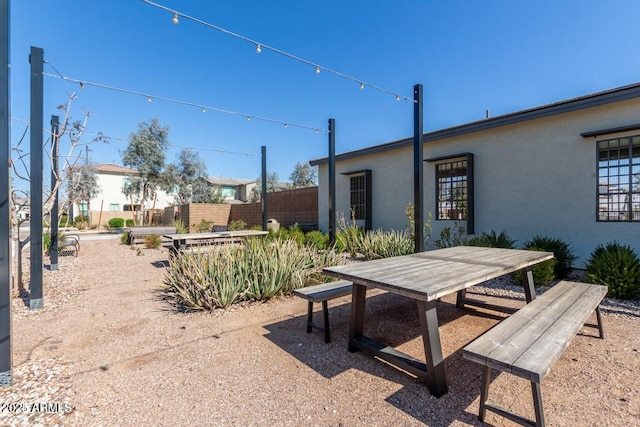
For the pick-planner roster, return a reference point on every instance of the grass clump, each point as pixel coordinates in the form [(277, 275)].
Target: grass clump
[(152, 241), (259, 270)]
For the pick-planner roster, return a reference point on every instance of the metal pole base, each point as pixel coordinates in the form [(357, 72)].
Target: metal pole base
[(35, 304), (5, 379)]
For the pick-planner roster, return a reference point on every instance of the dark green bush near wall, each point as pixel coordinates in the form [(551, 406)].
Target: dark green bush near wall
[(493, 240), (542, 273), (562, 251), (116, 223), (616, 266), (130, 222)]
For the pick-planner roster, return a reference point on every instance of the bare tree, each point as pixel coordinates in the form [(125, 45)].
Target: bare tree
[(74, 130)]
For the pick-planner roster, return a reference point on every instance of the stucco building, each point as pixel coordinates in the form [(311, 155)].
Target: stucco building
[(570, 170)]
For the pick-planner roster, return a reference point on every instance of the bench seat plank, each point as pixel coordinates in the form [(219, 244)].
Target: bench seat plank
[(529, 342), (325, 291)]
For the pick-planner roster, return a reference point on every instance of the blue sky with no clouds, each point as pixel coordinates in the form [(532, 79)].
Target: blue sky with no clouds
[(470, 56)]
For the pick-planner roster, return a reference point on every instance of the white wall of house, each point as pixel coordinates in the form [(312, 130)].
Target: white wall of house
[(533, 177)]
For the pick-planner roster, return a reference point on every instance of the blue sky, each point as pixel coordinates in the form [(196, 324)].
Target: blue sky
[(470, 56)]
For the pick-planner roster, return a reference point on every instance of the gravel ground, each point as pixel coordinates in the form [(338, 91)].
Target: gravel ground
[(108, 350)]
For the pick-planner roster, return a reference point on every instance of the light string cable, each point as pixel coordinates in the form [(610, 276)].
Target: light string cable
[(260, 46), (150, 97)]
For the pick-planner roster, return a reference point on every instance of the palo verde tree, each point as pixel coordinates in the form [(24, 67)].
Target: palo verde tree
[(189, 175), (303, 175), (146, 153)]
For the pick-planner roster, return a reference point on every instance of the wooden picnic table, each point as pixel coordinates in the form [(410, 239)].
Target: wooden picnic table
[(180, 240), (426, 277)]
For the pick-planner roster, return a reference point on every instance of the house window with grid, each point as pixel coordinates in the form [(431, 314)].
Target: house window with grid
[(452, 190), (358, 193), (619, 179)]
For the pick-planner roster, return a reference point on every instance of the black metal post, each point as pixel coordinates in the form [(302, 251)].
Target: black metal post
[(418, 195), (35, 196), (332, 181), (53, 251), (6, 356), (264, 188)]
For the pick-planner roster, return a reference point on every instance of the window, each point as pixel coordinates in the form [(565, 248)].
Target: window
[(360, 196), (619, 179), (357, 204), (451, 178), (84, 208), (114, 207)]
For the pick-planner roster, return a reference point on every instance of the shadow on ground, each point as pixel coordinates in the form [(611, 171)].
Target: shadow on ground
[(393, 320)]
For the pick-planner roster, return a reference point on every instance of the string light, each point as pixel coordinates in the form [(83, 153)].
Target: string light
[(176, 101), (81, 85), (260, 46), (204, 110), (175, 18), (317, 69)]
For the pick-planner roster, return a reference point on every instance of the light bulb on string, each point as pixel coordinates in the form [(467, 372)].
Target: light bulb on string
[(397, 97), (285, 125), (248, 118), (175, 18), (258, 49), (361, 86), (317, 69), (148, 99), (81, 85), (204, 110)]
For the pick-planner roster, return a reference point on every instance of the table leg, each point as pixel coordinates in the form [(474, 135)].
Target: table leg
[(356, 325), (528, 284), (436, 378)]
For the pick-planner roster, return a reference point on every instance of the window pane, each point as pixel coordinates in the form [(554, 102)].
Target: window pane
[(619, 179), (451, 195)]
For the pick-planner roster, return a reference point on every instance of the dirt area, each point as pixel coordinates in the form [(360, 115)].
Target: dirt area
[(108, 350)]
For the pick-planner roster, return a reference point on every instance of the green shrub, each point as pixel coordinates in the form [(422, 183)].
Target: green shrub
[(46, 242), (152, 241), (129, 222), (116, 223), (125, 238), (493, 240), (616, 266), (180, 226), (543, 272), (317, 239), (204, 226), (80, 218), (237, 225), (348, 236), (259, 270), (64, 221), (384, 244), (297, 235), (562, 251), (450, 237)]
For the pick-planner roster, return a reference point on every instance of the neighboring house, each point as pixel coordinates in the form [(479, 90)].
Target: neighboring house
[(111, 198), (23, 208), (233, 190), (569, 170)]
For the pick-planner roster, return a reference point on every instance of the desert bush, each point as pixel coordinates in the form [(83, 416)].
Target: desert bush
[(116, 223), (203, 227), (384, 244), (616, 266), (493, 240), (317, 239), (152, 241), (237, 225), (451, 236), (80, 225), (259, 270), (562, 251), (125, 238), (543, 272), (180, 226), (129, 222), (46, 242), (296, 234), (348, 236)]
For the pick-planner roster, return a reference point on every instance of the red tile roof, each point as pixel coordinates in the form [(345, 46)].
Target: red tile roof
[(115, 169)]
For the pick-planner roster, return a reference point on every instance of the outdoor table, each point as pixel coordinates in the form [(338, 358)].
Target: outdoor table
[(426, 277), (180, 240)]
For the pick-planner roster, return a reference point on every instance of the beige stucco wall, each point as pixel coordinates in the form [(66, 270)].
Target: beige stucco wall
[(536, 177)]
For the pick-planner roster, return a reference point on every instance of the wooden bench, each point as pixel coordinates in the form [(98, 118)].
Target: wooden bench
[(322, 293), (530, 341), (136, 232)]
